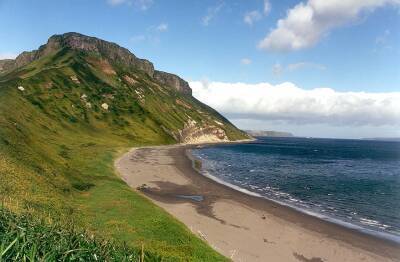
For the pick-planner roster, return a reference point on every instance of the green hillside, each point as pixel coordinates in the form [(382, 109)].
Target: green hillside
[(67, 112)]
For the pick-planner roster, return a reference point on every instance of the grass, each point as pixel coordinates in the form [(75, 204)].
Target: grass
[(56, 161), (198, 164), (25, 238), (99, 201)]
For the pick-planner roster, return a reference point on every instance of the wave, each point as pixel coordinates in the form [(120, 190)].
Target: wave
[(304, 210)]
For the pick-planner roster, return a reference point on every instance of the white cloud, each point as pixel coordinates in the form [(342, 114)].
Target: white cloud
[(252, 16), (290, 104), (212, 12), (7, 56), (267, 7), (306, 23), (140, 4), (163, 27), (245, 61)]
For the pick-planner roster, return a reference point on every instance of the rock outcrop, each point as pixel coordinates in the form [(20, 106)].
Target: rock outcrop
[(114, 53), (194, 133), (173, 81), (6, 64)]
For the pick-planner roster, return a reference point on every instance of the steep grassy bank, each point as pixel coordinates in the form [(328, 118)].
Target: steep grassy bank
[(65, 116), (68, 172)]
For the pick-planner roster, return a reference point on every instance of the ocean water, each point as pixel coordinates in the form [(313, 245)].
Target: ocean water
[(352, 182)]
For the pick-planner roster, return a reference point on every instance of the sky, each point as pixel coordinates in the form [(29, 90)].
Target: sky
[(321, 68)]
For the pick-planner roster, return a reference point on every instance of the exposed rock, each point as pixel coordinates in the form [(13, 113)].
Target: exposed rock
[(104, 65), (48, 85), (104, 106), (109, 96), (173, 81), (112, 52), (5, 64), (140, 95), (75, 79), (180, 102), (76, 41), (129, 80), (218, 123), (193, 133)]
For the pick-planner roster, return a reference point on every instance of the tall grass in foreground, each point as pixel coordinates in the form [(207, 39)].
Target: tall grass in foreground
[(25, 238)]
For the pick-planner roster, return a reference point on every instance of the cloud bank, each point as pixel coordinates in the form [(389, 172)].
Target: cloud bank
[(306, 23), (293, 105)]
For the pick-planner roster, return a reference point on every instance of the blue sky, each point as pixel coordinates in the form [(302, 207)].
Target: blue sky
[(348, 47)]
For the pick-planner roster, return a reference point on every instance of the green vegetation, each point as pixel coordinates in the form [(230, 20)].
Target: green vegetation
[(57, 147), (198, 164), (25, 238)]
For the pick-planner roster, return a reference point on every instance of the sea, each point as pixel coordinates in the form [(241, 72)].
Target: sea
[(355, 183)]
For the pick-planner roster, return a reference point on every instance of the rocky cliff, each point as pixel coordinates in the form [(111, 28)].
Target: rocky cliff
[(111, 51), (174, 81), (6, 64), (93, 82)]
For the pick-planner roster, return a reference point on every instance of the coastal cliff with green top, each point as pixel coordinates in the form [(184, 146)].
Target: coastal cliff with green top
[(67, 110)]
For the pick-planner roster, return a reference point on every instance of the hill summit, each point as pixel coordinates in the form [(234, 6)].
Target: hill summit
[(96, 76), (67, 110), (113, 52)]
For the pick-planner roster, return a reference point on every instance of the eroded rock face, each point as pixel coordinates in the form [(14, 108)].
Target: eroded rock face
[(173, 81), (111, 51), (193, 133), (5, 64)]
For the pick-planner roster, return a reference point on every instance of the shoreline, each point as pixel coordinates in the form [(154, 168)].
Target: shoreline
[(239, 225), (384, 236)]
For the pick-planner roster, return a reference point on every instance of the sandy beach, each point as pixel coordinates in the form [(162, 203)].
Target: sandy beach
[(240, 226)]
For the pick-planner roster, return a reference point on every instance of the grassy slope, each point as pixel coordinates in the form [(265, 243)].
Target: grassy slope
[(56, 155), (27, 238)]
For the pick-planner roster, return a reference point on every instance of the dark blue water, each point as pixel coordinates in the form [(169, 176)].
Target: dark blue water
[(353, 182)]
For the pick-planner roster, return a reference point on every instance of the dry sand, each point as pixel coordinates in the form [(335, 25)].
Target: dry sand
[(242, 227)]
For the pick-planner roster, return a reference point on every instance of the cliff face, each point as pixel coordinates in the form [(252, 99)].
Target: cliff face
[(5, 64), (97, 83), (111, 51), (173, 81)]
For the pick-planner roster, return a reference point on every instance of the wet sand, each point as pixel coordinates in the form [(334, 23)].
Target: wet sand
[(240, 226)]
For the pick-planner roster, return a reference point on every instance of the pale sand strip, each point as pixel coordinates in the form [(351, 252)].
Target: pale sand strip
[(241, 227)]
